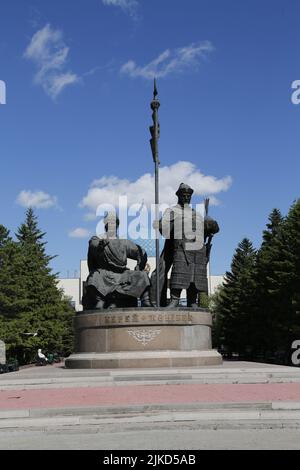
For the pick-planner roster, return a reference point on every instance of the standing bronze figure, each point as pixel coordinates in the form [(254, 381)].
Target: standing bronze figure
[(189, 266)]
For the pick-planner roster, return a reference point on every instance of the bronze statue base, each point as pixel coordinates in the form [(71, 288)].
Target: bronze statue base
[(142, 338)]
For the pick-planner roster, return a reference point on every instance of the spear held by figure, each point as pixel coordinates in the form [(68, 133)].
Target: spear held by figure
[(210, 229), (155, 134)]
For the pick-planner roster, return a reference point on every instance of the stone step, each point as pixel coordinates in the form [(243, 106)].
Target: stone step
[(144, 379), (227, 416)]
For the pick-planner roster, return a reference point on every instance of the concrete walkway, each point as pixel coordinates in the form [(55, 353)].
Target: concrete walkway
[(228, 373), (148, 395), (236, 393)]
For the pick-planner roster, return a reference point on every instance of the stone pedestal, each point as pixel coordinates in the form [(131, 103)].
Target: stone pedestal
[(141, 338)]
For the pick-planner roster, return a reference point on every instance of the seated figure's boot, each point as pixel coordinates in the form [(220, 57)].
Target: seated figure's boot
[(145, 298), (92, 299), (111, 306), (175, 297), (100, 303)]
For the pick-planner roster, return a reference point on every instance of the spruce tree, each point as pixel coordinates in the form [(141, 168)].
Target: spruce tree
[(234, 302), (292, 227), (278, 279), (269, 303), (286, 277), (39, 281), (12, 289), (4, 236), (45, 311)]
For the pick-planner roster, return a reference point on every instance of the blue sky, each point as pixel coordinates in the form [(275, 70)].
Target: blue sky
[(79, 83)]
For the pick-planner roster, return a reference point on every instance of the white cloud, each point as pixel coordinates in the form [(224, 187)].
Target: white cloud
[(89, 216), (129, 6), (49, 53), (108, 189), (170, 61), (79, 232), (36, 199), (59, 82)]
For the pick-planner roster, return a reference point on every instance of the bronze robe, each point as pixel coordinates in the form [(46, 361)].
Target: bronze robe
[(107, 263)]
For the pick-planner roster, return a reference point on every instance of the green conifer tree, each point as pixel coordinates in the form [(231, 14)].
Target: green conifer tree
[(278, 280), (45, 311), (285, 280), (234, 302), (268, 305), (12, 290), (292, 227)]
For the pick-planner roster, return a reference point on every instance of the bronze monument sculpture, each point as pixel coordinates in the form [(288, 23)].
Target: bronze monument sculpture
[(110, 283), (115, 330)]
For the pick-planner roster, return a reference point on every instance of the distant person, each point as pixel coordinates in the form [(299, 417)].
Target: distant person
[(42, 360)]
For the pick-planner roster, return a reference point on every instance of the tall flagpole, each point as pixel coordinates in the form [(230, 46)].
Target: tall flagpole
[(155, 133)]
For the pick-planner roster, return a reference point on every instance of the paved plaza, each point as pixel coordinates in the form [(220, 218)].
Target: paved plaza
[(60, 408)]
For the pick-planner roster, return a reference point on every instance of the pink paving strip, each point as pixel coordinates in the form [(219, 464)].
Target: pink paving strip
[(150, 394)]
